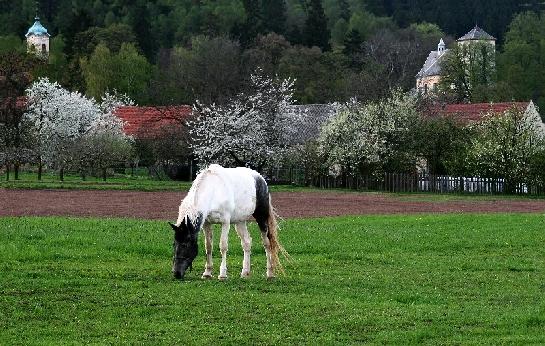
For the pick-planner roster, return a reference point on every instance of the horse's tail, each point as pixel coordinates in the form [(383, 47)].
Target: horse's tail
[(275, 246)]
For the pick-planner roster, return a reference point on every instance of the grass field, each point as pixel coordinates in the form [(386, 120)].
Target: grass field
[(437, 279), (117, 182), (143, 182)]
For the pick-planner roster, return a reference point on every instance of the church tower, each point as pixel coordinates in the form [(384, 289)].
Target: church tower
[(37, 39), (429, 76)]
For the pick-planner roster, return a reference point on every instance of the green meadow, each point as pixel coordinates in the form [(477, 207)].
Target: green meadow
[(141, 182), (432, 279)]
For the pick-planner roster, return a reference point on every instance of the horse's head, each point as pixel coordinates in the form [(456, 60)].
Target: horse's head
[(185, 247)]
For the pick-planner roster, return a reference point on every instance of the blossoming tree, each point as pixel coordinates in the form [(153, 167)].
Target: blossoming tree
[(67, 123), (247, 131), (506, 145), (364, 137)]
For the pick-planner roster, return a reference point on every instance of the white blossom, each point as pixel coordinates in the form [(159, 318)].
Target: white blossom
[(361, 134), (247, 130), (63, 120), (505, 144)]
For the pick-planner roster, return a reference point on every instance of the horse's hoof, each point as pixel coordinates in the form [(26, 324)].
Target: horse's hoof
[(271, 278), (206, 276), (245, 275), (222, 278)]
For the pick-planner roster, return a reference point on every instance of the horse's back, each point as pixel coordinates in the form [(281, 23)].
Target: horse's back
[(232, 191)]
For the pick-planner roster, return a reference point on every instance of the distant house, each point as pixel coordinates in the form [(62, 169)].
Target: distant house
[(304, 121), (474, 112), (151, 122), (429, 76), (161, 130)]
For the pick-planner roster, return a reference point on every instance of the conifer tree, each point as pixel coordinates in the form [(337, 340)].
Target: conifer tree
[(344, 8), (316, 32), (274, 15), (253, 24), (352, 42)]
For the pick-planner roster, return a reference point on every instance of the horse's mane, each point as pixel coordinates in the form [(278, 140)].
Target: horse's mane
[(188, 208)]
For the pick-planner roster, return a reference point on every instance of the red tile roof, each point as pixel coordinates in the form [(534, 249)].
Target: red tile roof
[(145, 122), (474, 112)]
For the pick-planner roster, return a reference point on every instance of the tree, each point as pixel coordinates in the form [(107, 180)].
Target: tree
[(98, 70), (247, 131), (127, 72), (366, 24), (112, 37), (521, 63), (16, 73), (139, 17), (394, 57), (368, 138), (253, 25), (67, 126), (317, 74), (352, 45), (506, 145), (209, 71), (266, 54), (388, 59), (316, 32), (274, 15), (60, 119), (344, 9), (105, 144), (442, 142), (467, 66), (11, 43)]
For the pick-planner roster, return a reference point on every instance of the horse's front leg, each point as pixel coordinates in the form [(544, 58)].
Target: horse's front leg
[(246, 243), (223, 249), (207, 229)]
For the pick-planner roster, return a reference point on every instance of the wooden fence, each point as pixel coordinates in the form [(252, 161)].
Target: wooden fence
[(398, 182)]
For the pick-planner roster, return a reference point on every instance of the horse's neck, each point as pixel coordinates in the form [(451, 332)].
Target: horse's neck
[(196, 203), (189, 210)]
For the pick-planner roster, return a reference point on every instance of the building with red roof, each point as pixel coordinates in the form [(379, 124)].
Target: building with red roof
[(474, 112), (151, 122)]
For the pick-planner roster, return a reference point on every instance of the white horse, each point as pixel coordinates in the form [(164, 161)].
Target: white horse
[(225, 196)]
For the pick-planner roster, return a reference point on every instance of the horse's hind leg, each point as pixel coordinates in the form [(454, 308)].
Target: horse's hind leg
[(223, 249), (267, 245), (246, 243), (207, 228)]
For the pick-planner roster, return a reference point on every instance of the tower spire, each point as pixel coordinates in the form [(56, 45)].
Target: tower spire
[(441, 46)]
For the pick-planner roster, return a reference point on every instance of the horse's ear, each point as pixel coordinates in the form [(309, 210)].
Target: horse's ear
[(174, 227)]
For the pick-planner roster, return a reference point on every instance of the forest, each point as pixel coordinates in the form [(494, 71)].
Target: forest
[(164, 52)]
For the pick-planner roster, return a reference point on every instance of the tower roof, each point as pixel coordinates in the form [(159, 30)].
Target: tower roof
[(477, 34), (37, 29)]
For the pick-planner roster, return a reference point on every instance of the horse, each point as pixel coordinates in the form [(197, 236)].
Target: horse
[(225, 196)]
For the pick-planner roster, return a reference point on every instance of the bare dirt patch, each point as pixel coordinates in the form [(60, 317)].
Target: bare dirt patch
[(164, 205)]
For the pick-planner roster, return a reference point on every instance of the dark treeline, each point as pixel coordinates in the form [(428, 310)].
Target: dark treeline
[(171, 52), (160, 23)]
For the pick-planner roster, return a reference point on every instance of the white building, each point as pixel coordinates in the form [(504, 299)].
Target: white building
[(37, 39), (429, 76)]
